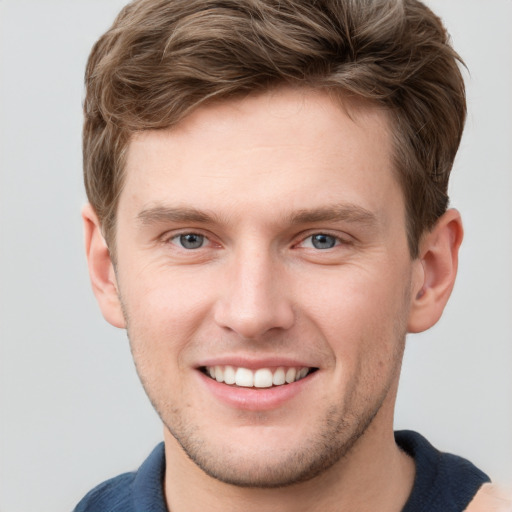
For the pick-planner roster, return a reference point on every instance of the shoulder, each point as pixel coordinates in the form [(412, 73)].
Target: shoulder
[(491, 498), (113, 495), (138, 491), (443, 481)]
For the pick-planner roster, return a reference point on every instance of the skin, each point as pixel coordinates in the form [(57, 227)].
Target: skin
[(256, 179), (491, 498)]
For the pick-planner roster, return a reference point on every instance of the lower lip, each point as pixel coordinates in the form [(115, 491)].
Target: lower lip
[(255, 399)]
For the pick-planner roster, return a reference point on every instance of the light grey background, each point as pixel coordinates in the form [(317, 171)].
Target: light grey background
[(72, 412)]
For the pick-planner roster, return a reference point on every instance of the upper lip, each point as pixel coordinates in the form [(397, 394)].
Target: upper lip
[(255, 363)]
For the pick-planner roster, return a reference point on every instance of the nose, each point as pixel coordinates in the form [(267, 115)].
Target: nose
[(253, 299)]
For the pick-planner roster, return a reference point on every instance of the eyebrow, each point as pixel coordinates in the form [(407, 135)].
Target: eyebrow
[(159, 214), (335, 213)]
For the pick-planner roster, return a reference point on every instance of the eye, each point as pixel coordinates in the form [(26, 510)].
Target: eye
[(320, 241), (189, 241)]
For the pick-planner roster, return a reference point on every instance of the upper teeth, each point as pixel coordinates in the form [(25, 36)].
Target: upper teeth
[(260, 378)]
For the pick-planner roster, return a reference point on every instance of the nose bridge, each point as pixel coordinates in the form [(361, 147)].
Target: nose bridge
[(253, 299)]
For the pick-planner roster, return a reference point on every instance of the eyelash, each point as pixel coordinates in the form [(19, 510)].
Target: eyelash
[(336, 240), (178, 240), (175, 238)]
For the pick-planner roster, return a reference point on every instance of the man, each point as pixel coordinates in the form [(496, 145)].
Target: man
[(268, 218)]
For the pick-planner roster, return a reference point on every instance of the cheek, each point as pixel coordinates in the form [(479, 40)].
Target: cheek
[(165, 297), (356, 298), (163, 313), (362, 316)]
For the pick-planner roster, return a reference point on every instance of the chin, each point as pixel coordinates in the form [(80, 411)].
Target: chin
[(264, 469), (271, 462)]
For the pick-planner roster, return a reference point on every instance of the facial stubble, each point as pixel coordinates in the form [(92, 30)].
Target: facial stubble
[(334, 437), (336, 433)]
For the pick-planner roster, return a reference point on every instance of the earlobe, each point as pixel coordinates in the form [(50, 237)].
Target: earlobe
[(101, 269), (437, 266)]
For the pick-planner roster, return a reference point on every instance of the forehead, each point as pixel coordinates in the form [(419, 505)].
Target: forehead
[(286, 147)]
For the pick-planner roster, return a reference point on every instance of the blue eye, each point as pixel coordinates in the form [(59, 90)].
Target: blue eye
[(320, 241), (190, 240)]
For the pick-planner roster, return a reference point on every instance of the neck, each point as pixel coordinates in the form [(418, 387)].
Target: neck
[(374, 475)]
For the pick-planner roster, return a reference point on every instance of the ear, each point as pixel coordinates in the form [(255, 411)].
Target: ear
[(437, 265), (101, 269)]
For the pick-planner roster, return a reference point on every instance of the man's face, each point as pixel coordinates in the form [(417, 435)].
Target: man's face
[(263, 241)]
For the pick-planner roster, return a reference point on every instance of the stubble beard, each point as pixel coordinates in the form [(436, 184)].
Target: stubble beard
[(334, 438), (333, 441)]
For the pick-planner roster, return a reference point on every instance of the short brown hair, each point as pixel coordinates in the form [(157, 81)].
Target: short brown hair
[(163, 58)]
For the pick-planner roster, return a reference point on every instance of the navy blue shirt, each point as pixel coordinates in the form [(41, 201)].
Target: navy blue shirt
[(443, 482)]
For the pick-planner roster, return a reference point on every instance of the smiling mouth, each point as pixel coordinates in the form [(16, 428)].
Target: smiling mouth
[(259, 378)]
